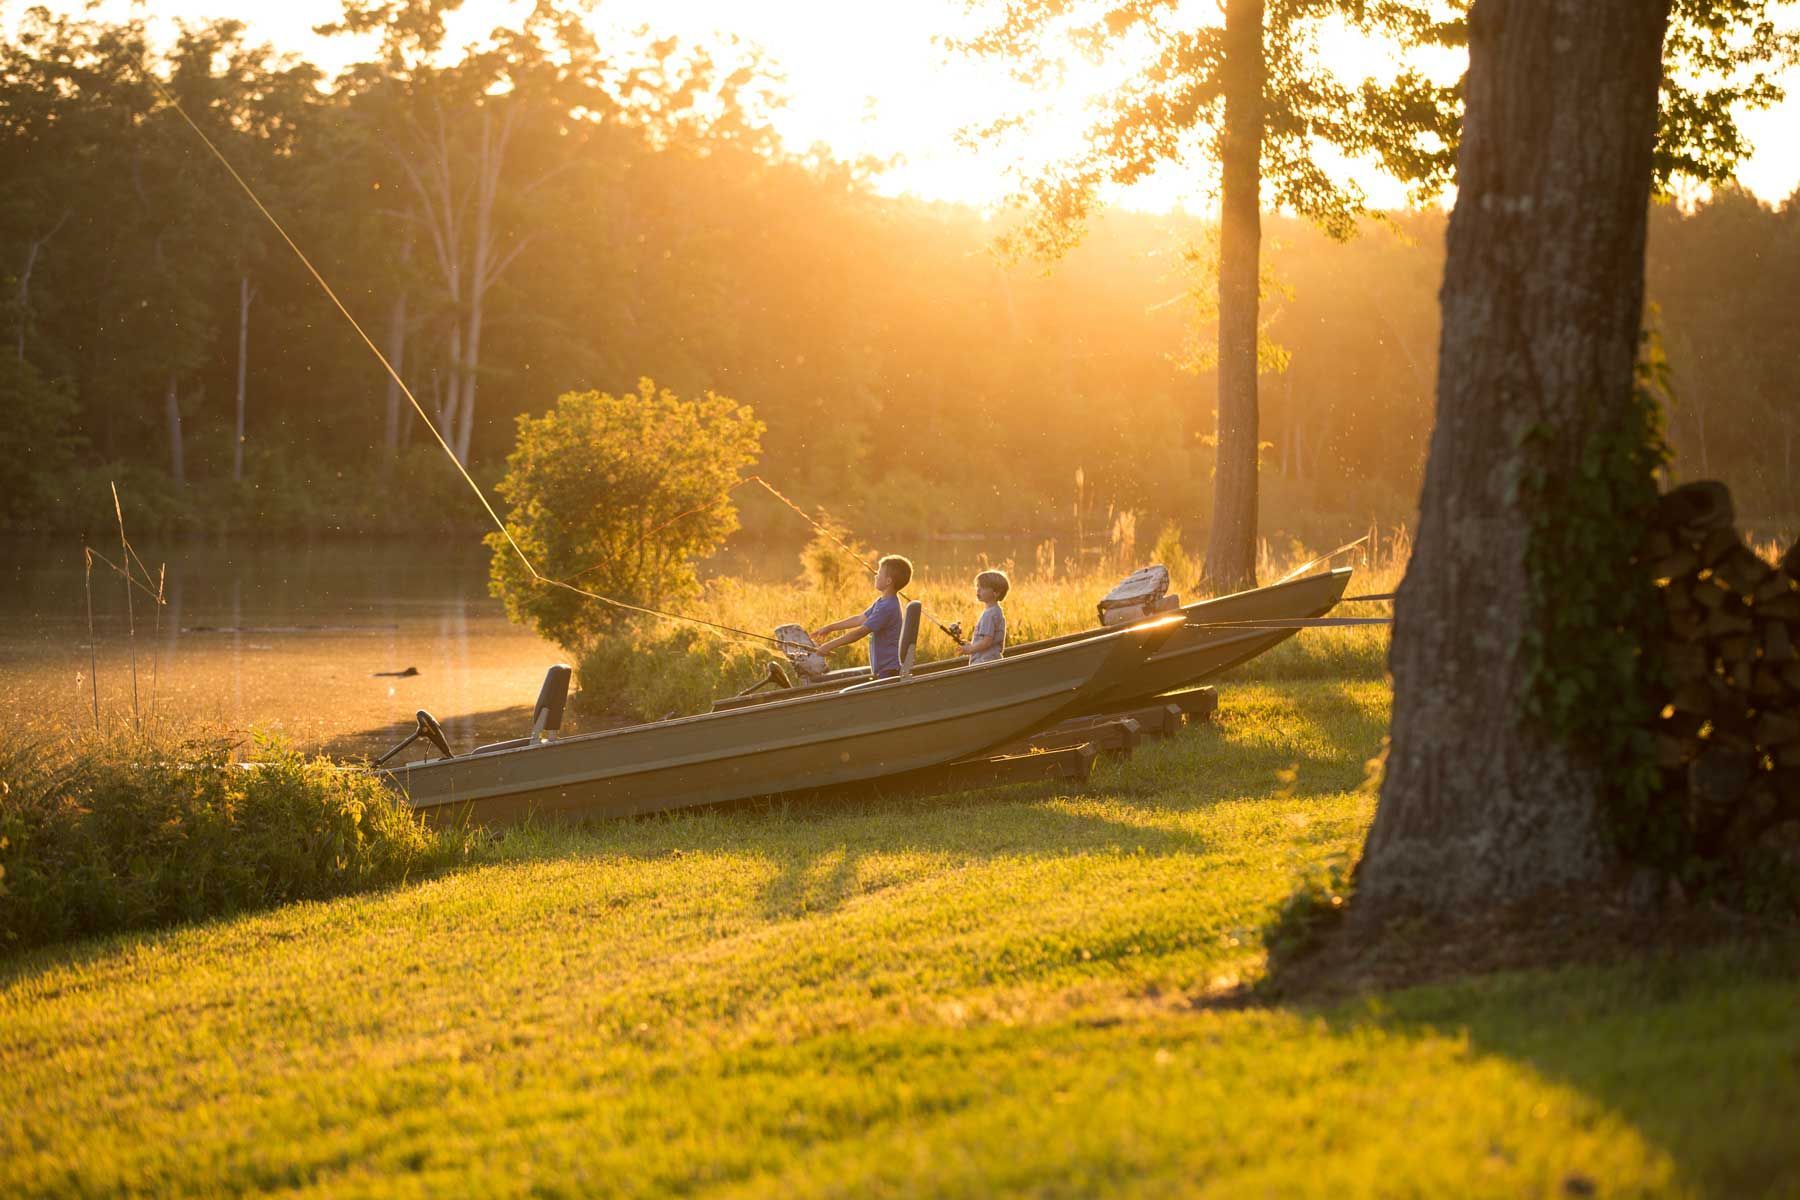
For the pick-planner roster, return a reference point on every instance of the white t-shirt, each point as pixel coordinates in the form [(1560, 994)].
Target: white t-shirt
[(992, 623)]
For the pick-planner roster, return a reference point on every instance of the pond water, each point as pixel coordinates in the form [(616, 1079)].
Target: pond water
[(287, 639), (295, 639)]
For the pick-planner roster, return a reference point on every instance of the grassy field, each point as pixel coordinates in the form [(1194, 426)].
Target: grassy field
[(995, 992)]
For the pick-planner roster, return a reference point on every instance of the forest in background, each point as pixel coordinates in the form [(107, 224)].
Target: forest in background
[(548, 215)]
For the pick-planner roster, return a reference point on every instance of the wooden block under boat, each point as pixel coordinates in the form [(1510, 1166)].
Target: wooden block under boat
[(1119, 735), (1197, 703), (1071, 763), (1169, 713)]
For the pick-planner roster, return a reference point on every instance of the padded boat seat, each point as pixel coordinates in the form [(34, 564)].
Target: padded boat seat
[(547, 716)]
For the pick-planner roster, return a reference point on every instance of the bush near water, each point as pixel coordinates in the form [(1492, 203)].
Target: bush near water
[(125, 831), (620, 496)]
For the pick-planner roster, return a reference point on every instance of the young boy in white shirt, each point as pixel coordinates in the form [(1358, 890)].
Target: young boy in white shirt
[(989, 638)]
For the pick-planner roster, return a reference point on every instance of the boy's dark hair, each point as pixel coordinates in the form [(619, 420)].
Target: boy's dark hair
[(899, 569), (996, 580)]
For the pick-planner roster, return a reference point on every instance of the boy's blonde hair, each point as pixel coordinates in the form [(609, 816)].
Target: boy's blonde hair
[(996, 580), (898, 567)]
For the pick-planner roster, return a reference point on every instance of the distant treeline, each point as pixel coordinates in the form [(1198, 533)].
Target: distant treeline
[(547, 215)]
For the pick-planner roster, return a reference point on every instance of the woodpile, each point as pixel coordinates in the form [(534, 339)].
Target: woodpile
[(1728, 731)]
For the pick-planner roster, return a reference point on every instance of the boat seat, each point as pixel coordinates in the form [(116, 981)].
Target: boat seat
[(547, 716), (909, 636), (909, 646)]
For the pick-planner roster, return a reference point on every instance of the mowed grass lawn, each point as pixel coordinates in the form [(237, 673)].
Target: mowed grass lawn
[(996, 992)]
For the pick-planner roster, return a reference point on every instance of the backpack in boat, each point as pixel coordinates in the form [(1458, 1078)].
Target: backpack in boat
[(1141, 594)]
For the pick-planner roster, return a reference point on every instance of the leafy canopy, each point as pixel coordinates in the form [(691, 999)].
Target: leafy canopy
[(595, 486), (1172, 110), (1722, 57)]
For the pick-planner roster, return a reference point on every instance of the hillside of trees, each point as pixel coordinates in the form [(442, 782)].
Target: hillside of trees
[(546, 215)]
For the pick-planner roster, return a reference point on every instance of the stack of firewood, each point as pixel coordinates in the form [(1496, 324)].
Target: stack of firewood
[(1728, 734)]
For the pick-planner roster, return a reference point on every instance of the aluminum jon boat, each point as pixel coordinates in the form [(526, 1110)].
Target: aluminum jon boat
[(1198, 651), (854, 732)]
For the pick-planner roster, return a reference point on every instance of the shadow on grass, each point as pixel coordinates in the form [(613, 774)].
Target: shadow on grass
[(818, 842), (1696, 1048)]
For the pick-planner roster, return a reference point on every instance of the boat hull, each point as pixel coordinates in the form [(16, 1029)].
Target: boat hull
[(807, 742), (1198, 652)]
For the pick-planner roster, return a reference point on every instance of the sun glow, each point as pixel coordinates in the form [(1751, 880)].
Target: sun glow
[(874, 82)]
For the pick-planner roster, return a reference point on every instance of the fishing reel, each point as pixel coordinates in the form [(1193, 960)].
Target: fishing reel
[(954, 629)]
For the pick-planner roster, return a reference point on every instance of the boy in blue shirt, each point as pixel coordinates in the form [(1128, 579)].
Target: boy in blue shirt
[(880, 622)]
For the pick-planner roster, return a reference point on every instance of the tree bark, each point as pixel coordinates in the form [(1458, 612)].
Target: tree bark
[(172, 417), (1542, 305), (396, 356), (32, 252), (245, 292), (1231, 544)]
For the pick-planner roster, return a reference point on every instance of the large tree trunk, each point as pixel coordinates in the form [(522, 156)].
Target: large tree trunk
[(1231, 546), (1542, 304)]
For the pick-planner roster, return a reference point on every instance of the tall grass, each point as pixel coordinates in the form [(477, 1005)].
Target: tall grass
[(659, 667), (111, 832)]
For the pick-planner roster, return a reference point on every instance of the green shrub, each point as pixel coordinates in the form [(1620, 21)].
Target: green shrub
[(623, 494), (834, 560), (1183, 570), (642, 676), (125, 832)]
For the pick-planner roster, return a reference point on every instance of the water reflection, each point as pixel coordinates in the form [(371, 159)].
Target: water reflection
[(286, 639), (289, 639)]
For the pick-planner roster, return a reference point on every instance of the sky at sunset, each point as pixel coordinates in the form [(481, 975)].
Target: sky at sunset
[(866, 77)]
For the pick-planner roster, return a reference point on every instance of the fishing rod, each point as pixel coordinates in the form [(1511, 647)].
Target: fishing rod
[(524, 559)]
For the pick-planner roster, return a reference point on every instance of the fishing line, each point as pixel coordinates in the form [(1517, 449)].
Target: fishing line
[(1293, 623), (1304, 567), (524, 559), (818, 527)]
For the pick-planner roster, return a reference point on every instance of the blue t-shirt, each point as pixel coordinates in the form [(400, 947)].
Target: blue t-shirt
[(882, 620)]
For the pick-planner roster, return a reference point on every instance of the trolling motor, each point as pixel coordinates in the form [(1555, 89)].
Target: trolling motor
[(429, 729), (777, 676)]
